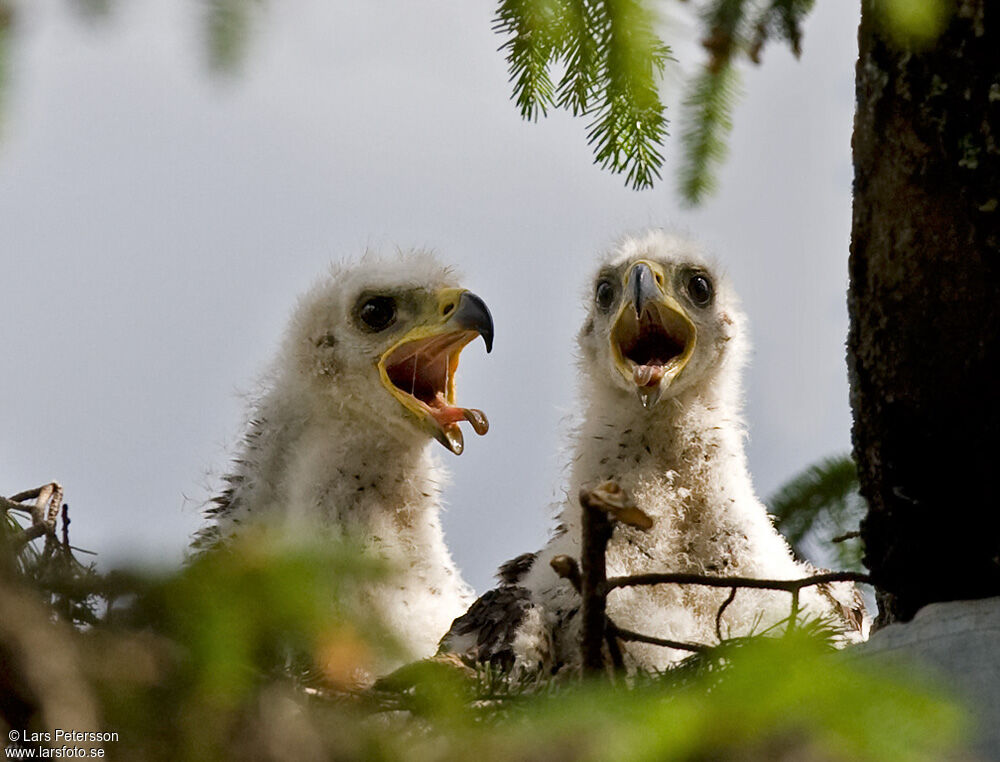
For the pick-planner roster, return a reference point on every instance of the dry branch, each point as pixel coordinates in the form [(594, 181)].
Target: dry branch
[(722, 610), (567, 568), (30, 494), (48, 502), (788, 585), (638, 637), (600, 508), (597, 530)]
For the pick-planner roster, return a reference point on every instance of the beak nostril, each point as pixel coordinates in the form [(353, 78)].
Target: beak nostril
[(448, 309)]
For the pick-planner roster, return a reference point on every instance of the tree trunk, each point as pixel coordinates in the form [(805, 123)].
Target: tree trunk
[(924, 300)]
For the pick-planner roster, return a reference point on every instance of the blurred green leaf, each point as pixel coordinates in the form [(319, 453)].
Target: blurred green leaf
[(246, 609), (913, 24), (248, 652), (776, 698)]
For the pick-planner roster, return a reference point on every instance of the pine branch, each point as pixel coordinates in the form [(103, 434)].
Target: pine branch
[(821, 508), (729, 33), (531, 27), (724, 36), (228, 25), (781, 18), (826, 487), (612, 61), (708, 122), (629, 125), (584, 20), (791, 14)]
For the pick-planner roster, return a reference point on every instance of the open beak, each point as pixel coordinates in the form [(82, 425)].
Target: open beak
[(419, 370), (653, 338)]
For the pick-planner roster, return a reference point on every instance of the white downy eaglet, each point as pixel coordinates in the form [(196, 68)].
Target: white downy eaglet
[(339, 443), (661, 353)]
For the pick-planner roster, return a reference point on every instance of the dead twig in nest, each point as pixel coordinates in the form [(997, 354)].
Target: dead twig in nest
[(638, 637), (567, 568), (48, 502), (846, 536), (597, 530), (788, 585), (600, 508), (722, 610), (613, 500)]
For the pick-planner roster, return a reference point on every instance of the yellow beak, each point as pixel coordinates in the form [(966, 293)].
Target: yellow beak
[(419, 369), (653, 338)]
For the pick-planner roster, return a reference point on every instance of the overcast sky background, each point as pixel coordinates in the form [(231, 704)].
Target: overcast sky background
[(157, 224)]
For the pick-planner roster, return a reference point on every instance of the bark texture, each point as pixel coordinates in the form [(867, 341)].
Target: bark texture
[(924, 300)]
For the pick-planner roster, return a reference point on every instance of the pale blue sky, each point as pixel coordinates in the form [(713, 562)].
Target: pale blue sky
[(156, 225)]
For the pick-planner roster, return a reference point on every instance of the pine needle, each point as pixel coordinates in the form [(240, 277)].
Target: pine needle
[(611, 60), (708, 122), (819, 504)]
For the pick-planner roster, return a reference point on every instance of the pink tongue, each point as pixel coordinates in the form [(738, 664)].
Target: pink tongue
[(447, 415), (647, 375)]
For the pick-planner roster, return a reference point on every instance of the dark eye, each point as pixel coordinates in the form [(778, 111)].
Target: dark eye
[(700, 290), (378, 312), (605, 295)]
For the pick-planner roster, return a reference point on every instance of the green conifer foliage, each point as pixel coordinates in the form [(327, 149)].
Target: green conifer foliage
[(602, 60)]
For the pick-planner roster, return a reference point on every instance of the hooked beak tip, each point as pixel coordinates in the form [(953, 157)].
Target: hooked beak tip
[(650, 395), (472, 314)]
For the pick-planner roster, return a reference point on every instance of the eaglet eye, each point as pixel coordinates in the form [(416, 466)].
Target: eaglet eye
[(699, 288), (378, 312), (605, 295)]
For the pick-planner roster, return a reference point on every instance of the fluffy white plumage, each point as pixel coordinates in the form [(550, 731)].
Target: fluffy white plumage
[(680, 458), (332, 449)]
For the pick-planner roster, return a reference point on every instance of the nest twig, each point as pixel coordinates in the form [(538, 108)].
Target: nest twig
[(44, 512), (600, 508)]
